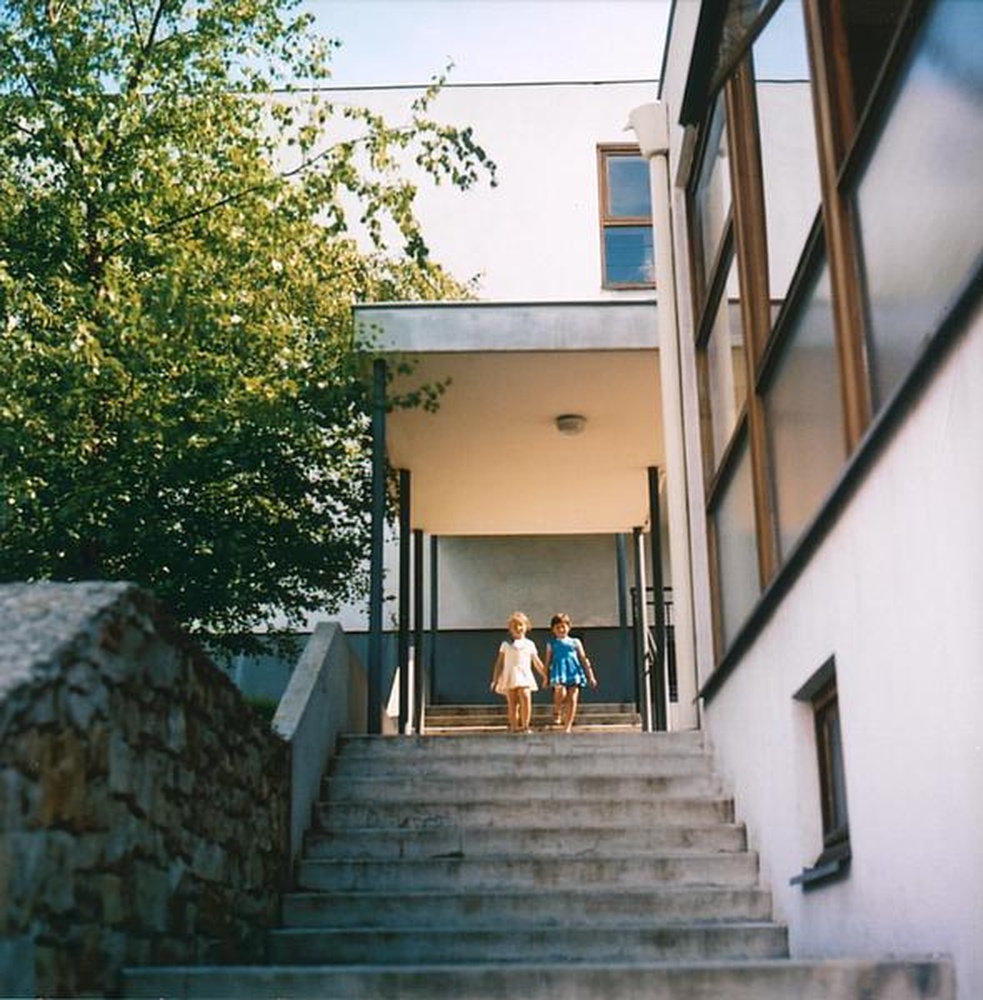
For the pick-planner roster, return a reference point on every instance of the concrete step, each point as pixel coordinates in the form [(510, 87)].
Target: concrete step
[(571, 907), (614, 745), (888, 979), (542, 702), (535, 874), (456, 944), (496, 723), (547, 789), (542, 708), (472, 763), (413, 814), (491, 717), (554, 841)]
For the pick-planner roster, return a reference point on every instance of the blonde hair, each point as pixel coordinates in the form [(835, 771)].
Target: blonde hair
[(522, 619)]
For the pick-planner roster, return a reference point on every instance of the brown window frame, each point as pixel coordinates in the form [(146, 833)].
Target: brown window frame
[(606, 222), (845, 137)]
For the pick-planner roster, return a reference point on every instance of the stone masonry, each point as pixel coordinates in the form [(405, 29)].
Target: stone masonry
[(143, 803)]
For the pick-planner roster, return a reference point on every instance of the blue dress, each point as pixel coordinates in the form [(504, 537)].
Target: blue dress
[(565, 665)]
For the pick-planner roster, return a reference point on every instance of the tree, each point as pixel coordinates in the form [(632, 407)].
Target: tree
[(181, 403)]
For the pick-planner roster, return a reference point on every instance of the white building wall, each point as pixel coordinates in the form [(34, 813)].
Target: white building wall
[(894, 593), (535, 236)]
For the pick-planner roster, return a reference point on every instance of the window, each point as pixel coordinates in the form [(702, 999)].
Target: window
[(711, 200), (833, 206), (834, 861), (733, 542), (627, 254), (924, 168), (803, 418)]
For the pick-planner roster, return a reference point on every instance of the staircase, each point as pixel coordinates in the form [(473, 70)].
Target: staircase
[(603, 863)]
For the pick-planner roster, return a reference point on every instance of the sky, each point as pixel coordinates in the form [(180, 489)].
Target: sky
[(388, 42)]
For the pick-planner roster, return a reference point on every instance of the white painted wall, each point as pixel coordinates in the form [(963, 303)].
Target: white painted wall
[(535, 237), (895, 593)]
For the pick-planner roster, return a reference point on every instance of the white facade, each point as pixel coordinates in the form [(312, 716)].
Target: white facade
[(534, 237), (893, 592)]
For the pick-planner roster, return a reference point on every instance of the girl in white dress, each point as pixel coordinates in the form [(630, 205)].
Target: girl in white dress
[(512, 674)]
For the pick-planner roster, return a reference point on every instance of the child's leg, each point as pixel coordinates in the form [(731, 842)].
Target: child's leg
[(511, 706), (559, 693), (570, 706), (525, 708)]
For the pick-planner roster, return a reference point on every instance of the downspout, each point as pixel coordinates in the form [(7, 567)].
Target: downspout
[(650, 123)]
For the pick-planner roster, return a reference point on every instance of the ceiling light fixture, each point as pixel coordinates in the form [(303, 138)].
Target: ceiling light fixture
[(571, 423)]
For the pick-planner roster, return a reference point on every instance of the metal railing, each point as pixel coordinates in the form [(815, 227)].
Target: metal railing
[(655, 657)]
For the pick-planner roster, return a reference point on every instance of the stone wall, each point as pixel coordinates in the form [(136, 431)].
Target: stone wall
[(143, 804)]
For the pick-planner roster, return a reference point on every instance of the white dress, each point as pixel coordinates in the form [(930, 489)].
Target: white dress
[(517, 666)]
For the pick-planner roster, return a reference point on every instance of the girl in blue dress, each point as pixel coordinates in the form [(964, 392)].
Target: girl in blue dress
[(569, 670)]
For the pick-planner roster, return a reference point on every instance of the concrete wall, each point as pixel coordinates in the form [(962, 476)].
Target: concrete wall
[(327, 695), (894, 593), (143, 803)]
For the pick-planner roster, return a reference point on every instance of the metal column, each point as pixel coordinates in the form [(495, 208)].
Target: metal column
[(624, 613), (660, 688), (403, 656), (418, 668), (434, 622), (641, 633), (376, 570)]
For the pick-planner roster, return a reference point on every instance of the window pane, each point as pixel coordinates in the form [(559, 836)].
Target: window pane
[(726, 375), (869, 29), (629, 195), (837, 777), (737, 552), (920, 198), (628, 255), (804, 416), (712, 196), (789, 160)]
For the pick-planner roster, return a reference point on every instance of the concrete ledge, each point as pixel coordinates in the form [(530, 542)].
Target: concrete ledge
[(326, 696)]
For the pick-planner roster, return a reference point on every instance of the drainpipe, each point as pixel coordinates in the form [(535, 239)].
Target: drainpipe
[(650, 123)]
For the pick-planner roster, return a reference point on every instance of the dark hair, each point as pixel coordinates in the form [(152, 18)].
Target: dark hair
[(560, 617)]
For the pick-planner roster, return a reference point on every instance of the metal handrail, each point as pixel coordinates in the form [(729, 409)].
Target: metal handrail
[(657, 656)]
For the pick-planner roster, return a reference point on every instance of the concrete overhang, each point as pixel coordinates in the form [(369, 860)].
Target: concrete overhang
[(491, 460)]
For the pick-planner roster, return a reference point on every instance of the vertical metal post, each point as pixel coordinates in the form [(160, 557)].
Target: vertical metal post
[(624, 633), (434, 621), (641, 632), (418, 668), (378, 523), (659, 687), (403, 656)]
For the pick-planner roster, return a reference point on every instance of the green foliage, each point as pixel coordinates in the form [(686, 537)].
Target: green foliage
[(182, 404)]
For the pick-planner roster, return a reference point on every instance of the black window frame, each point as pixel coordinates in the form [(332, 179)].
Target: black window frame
[(833, 862)]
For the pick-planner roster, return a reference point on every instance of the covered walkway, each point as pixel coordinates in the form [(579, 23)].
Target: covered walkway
[(550, 425)]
